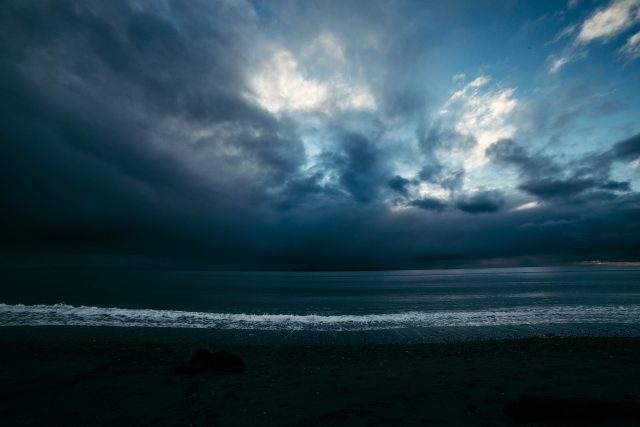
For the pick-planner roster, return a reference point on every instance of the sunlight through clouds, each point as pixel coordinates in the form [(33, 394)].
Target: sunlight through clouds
[(527, 206), (281, 85), (482, 114)]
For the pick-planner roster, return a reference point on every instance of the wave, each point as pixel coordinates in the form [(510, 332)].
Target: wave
[(63, 314)]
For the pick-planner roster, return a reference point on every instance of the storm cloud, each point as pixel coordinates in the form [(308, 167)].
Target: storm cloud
[(548, 179), (288, 135)]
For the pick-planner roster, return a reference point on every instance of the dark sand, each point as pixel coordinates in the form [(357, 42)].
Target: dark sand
[(112, 381)]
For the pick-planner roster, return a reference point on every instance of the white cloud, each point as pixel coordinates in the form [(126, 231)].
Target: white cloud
[(602, 25), (610, 21), (326, 46), (570, 54), (632, 46), (479, 81), (483, 115), (281, 86), (357, 98), (557, 63), (568, 31), (459, 78)]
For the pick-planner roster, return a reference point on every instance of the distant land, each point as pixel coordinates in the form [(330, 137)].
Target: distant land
[(612, 263)]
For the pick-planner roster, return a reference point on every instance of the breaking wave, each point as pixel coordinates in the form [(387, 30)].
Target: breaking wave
[(63, 314)]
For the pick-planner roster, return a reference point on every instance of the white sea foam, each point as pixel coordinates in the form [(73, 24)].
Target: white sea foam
[(63, 314)]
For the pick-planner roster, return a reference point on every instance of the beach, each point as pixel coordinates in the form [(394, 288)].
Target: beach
[(109, 376)]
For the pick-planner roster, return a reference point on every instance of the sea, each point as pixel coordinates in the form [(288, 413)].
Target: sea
[(388, 306)]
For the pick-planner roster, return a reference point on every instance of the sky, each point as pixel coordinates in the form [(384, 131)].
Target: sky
[(251, 134)]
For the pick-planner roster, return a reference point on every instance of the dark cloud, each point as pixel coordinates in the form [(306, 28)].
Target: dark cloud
[(429, 203), (549, 189), (437, 138), (577, 180), (453, 181), (400, 184), (87, 89), (508, 152), (616, 186), (481, 202), (360, 167), (628, 149), (128, 133)]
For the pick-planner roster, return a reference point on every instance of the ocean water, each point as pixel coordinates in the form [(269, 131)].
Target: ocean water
[(582, 300)]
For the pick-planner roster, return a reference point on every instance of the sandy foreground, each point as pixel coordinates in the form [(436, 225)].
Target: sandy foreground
[(77, 380)]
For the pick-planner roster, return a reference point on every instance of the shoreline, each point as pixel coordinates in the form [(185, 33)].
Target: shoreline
[(257, 337), (106, 378)]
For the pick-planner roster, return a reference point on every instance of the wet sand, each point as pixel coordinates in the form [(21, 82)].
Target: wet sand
[(115, 381)]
